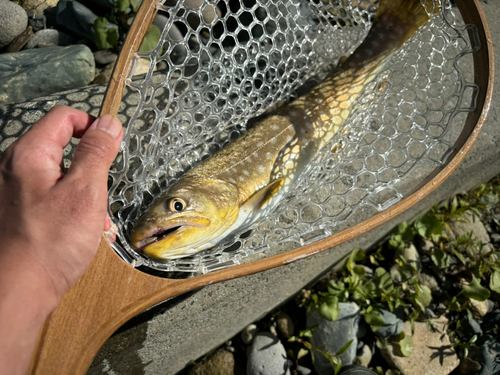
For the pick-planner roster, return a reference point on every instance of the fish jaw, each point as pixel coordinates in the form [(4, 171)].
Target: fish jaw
[(211, 207)]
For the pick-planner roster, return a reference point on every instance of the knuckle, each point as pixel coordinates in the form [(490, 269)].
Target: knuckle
[(96, 149)]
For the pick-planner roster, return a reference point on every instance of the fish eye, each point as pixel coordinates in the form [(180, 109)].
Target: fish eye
[(177, 204)]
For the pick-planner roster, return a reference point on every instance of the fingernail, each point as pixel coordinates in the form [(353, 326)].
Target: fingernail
[(109, 124)]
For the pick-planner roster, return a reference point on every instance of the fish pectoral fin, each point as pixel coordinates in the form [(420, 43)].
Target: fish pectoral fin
[(259, 199)]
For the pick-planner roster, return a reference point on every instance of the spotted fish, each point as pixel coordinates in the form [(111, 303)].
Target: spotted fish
[(246, 179)]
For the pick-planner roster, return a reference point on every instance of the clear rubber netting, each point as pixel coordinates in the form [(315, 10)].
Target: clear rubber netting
[(220, 64)]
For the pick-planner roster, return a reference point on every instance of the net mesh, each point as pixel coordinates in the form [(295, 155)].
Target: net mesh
[(220, 64)]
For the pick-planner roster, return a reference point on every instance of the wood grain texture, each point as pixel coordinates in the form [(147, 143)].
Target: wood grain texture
[(111, 292)]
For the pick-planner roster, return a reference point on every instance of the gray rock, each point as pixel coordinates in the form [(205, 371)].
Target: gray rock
[(285, 325), (248, 333), (392, 324), (37, 7), (471, 327), (429, 281), (220, 363), (267, 356), (37, 21), (301, 370), (48, 37), (472, 224), (480, 308), (13, 21), (495, 237), (32, 73), (77, 18), (331, 336), (489, 355), (105, 57)]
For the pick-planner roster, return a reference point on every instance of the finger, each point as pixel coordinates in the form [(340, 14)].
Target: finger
[(57, 127), (97, 150)]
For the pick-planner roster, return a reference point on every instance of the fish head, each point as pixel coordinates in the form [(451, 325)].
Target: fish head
[(186, 219)]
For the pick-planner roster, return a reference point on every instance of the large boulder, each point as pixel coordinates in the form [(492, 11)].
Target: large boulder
[(32, 73)]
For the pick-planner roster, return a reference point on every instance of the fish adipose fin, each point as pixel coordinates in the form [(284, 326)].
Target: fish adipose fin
[(259, 199)]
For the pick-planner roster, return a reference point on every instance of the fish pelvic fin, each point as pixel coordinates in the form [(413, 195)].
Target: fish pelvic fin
[(259, 199), (405, 16)]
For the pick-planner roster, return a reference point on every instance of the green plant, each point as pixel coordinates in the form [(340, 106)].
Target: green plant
[(334, 359)]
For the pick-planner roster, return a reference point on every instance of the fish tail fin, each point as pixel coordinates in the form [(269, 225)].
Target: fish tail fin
[(404, 17)]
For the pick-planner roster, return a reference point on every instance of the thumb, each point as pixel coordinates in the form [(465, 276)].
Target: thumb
[(97, 149)]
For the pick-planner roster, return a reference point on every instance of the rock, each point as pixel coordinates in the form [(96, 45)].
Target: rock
[(480, 308), (49, 38), (472, 224), (37, 6), (105, 57), (429, 281), (392, 324), (495, 238), (489, 356), (331, 336), (301, 370), (368, 270), (431, 354), (469, 366), (273, 330), (471, 327), (104, 75), (32, 73), (37, 21), (411, 254), (429, 313), (77, 18), (248, 333), (20, 41), (285, 325), (267, 356), (427, 246), (365, 357), (220, 363), (13, 21)]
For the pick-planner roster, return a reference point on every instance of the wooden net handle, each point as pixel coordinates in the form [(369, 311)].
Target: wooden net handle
[(111, 292)]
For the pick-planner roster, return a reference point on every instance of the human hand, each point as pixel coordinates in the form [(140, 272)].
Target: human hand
[(51, 221)]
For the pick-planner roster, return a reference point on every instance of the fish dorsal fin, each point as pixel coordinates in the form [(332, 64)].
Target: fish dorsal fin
[(259, 199)]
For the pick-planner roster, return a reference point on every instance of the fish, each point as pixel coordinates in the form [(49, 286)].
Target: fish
[(246, 179)]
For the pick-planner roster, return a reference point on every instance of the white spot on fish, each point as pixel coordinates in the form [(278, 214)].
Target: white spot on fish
[(275, 127), (260, 144), (269, 155), (241, 178), (273, 141), (232, 180), (246, 173), (261, 169)]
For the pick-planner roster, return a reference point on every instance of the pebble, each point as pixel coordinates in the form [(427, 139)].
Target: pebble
[(285, 325), (469, 366), (423, 359), (37, 6), (248, 333), (37, 21), (481, 308), (13, 21), (301, 370), (56, 69), (495, 238), (429, 281), (331, 336), (392, 324), (365, 357), (267, 356), (45, 37), (105, 57), (427, 246), (472, 224), (220, 363)]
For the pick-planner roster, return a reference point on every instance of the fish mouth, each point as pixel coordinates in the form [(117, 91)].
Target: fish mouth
[(168, 230)]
